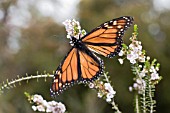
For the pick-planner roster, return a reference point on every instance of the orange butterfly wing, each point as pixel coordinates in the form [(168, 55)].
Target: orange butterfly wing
[(77, 66), (107, 38)]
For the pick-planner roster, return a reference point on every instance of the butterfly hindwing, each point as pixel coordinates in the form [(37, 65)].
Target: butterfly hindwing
[(106, 39), (91, 65), (77, 66)]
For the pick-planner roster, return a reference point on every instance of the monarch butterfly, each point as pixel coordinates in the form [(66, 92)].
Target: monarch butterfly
[(81, 63)]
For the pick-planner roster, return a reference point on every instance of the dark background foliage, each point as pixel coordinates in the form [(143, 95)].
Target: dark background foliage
[(33, 39)]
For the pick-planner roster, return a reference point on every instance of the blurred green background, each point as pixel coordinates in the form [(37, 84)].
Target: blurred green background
[(32, 38)]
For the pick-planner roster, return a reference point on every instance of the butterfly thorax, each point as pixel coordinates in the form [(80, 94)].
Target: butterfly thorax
[(77, 43)]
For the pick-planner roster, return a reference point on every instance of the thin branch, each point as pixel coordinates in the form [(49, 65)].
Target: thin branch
[(10, 84)]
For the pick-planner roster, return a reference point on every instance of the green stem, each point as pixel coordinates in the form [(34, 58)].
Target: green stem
[(144, 102), (151, 99), (12, 83), (137, 107), (114, 106)]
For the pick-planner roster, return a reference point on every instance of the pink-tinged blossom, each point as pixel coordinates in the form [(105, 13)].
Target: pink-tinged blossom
[(42, 105), (155, 76), (73, 29)]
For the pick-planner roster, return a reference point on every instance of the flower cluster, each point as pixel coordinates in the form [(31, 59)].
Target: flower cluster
[(110, 92), (141, 64), (104, 90), (133, 52), (73, 29), (41, 105)]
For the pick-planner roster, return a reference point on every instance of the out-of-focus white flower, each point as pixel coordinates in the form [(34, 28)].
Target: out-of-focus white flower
[(73, 29), (155, 76), (91, 85), (37, 98), (139, 85), (152, 69), (142, 58), (135, 85), (41, 108), (42, 105), (49, 109), (135, 53), (130, 89), (120, 61), (132, 57), (148, 58), (108, 99), (121, 53), (109, 88), (99, 95), (60, 108), (34, 108), (52, 103), (140, 66), (157, 68), (142, 73), (110, 95)]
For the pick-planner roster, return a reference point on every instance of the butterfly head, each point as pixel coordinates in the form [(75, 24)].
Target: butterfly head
[(74, 41)]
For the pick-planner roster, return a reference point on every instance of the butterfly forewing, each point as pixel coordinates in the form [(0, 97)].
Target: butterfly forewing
[(66, 73), (107, 38)]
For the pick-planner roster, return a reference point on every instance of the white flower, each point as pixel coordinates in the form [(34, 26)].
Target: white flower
[(37, 98), (148, 58), (135, 85), (132, 61), (152, 69), (42, 105), (135, 52), (132, 57), (73, 28), (120, 61), (68, 36), (108, 99), (99, 95), (157, 68), (131, 46), (109, 88), (34, 108), (59, 108), (142, 73), (139, 85), (154, 76), (121, 53), (52, 103), (130, 89), (140, 66), (110, 95), (49, 109), (91, 85), (41, 108), (142, 58)]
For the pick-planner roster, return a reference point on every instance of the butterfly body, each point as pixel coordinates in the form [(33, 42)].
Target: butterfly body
[(76, 43), (81, 64)]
